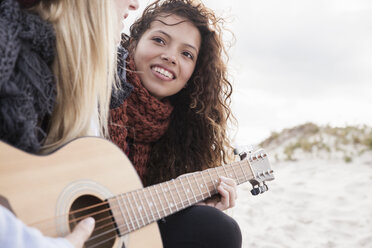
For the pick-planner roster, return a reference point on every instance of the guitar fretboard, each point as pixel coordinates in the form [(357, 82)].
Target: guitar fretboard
[(139, 208)]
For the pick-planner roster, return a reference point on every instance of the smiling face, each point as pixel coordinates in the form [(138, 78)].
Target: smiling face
[(166, 55)]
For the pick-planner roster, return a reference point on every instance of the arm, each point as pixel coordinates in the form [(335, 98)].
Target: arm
[(15, 234)]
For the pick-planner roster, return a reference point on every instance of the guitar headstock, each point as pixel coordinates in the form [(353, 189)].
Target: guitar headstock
[(261, 170)]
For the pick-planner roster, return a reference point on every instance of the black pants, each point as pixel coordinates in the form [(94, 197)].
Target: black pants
[(200, 227)]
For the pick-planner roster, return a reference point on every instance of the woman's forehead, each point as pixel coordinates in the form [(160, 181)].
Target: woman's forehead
[(178, 27), (170, 19)]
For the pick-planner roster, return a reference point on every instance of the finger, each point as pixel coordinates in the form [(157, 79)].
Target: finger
[(208, 202), (225, 196), (232, 194), (232, 183), (81, 232), (228, 181)]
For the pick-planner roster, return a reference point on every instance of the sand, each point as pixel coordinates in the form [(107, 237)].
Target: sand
[(311, 203)]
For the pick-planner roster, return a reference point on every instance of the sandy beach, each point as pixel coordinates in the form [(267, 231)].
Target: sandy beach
[(311, 203)]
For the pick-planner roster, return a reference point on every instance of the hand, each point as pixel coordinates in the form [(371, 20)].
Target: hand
[(227, 197), (81, 232)]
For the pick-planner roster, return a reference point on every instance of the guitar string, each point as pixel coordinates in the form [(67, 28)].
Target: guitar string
[(165, 210), (100, 243), (127, 224), (134, 227), (114, 229), (104, 241), (104, 203), (175, 187), (233, 164)]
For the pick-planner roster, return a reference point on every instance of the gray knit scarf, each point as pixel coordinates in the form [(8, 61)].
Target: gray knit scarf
[(27, 89)]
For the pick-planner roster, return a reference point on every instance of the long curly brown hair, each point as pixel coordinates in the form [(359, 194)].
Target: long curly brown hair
[(196, 138)]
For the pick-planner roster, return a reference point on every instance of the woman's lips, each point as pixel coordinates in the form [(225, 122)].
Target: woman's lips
[(163, 73)]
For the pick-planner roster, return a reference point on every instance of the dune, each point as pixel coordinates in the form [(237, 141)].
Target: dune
[(313, 202)]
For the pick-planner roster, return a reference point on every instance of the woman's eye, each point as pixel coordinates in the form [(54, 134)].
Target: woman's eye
[(189, 55), (158, 40)]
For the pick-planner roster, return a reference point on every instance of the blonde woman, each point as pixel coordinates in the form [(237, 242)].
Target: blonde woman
[(57, 70), (57, 73)]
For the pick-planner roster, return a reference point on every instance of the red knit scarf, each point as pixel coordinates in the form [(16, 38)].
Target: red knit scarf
[(140, 121)]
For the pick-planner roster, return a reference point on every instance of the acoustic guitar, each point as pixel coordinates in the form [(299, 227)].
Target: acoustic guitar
[(92, 177)]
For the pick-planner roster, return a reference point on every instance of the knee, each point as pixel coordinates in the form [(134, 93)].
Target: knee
[(220, 228)]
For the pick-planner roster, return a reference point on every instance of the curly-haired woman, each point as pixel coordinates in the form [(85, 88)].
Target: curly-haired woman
[(173, 118)]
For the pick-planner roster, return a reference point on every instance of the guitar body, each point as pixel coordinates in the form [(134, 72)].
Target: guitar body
[(45, 191)]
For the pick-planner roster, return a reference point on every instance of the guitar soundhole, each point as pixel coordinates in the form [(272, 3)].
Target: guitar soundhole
[(105, 231)]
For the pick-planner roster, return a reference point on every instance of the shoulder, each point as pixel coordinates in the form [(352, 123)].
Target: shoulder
[(9, 41), (23, 33)]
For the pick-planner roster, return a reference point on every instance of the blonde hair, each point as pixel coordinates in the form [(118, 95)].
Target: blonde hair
[(84, 66)]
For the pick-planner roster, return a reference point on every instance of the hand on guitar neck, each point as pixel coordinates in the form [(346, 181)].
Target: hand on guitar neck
[(227, 195)]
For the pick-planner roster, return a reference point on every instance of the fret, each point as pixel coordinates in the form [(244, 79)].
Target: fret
[(139, 208), (171, 194), (148, 206), (187, 177), (134, 213), (236, 176), (178, 193), (165, 197), (126, 207), (161, 203), (206, 184), (224, 169), (212, 180), (218, 175), (123, 214), (154, 203), (143, 208), (197, 184), (241, 167), (183, 187)]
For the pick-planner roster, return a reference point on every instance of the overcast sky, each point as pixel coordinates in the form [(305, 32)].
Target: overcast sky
[(297, 61)]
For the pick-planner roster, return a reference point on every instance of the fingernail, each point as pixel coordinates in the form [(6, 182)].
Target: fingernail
[(88, 221)]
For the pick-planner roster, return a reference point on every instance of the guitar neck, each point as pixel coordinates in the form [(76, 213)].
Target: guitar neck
[(139, 208)]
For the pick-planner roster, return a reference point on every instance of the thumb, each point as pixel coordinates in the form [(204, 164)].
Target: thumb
[(81, 232)]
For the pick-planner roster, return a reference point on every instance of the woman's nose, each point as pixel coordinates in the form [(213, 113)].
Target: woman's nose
[(171, 59)]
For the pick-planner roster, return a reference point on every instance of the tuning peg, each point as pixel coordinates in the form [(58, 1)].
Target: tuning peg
[(243, 151), (259, 189), (264, 188), (255, 191)]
